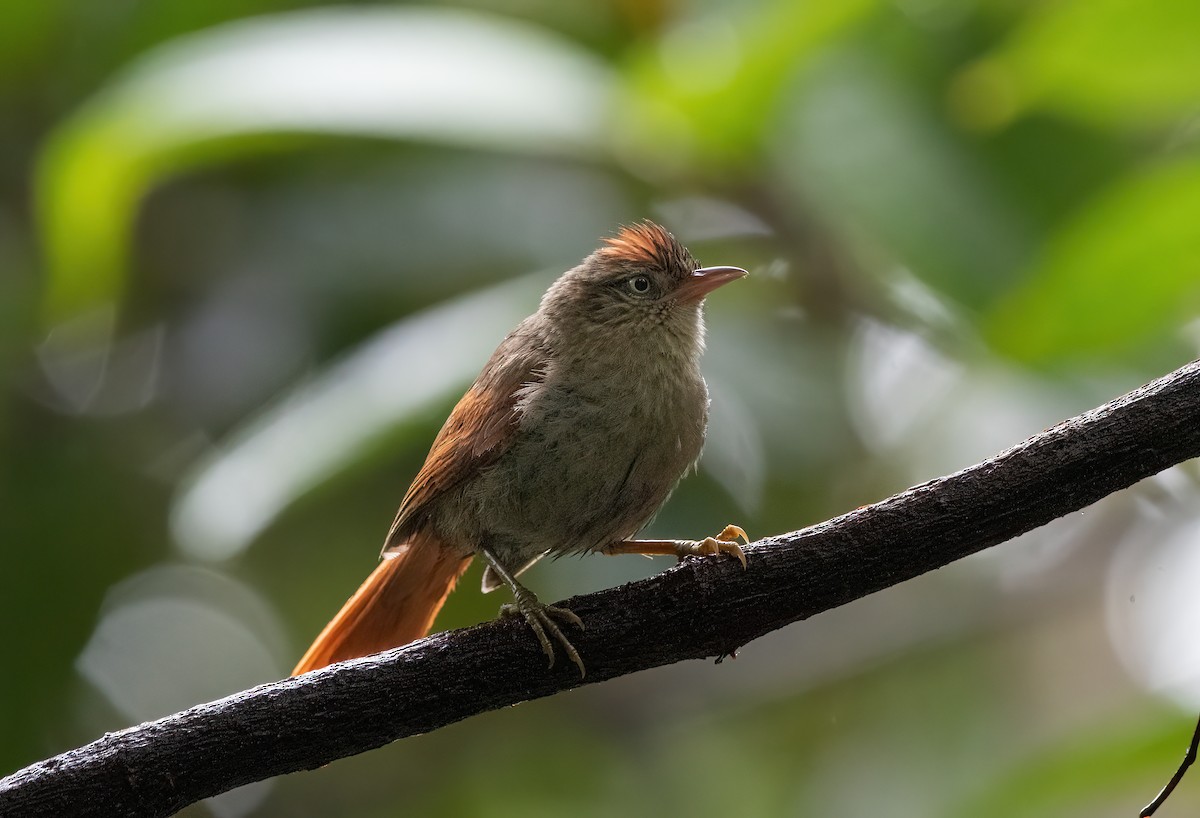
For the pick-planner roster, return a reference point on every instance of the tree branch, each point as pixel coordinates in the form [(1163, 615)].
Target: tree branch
[(698, 609)]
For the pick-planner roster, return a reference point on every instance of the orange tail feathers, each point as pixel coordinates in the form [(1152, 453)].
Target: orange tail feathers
[(394, 606)]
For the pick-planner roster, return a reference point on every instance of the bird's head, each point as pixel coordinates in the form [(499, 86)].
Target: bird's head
[(641, 282)]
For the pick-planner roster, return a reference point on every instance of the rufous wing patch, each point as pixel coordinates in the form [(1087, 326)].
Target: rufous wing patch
[(478, 431)]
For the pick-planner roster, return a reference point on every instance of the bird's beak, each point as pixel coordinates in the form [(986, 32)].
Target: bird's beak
[(705, 280)]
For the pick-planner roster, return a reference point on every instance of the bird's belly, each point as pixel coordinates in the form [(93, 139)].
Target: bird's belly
[(584, 477)]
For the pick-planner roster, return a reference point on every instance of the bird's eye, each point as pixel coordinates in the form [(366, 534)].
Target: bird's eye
[(638, 285)]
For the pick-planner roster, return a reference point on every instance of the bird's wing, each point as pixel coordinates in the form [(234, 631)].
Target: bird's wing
[(481, 427)]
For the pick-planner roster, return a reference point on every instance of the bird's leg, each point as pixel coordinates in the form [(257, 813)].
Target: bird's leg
[(724, 543), (539, 616)]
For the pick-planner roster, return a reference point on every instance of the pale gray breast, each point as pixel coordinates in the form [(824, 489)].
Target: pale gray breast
[(595, 458)]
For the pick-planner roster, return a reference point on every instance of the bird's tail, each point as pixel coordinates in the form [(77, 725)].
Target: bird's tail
[(396, 605)]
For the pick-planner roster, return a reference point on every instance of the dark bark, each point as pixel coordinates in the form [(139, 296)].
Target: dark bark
[(698, 609)]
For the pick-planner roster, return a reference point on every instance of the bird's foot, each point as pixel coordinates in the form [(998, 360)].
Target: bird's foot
[(724, 543), (540, 618)]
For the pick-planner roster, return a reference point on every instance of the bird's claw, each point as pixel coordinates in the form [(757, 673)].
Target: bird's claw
[(724, 543), (540, 618)]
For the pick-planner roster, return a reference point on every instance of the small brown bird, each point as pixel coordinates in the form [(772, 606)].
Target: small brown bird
[(572, 437)]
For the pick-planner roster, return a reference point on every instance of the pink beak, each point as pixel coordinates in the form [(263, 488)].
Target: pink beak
[(705, 280)]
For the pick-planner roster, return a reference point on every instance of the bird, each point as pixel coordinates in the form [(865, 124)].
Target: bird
[(573, 436)]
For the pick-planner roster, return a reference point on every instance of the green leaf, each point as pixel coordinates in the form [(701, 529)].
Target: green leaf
[(1124, 271), (1104, 61), (859, 143), (709, 89), (224, 93)]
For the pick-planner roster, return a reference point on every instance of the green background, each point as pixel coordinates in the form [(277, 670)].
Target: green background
[(251, 253)]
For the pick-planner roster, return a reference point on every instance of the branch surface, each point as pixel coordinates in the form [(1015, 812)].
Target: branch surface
[(695, 610)]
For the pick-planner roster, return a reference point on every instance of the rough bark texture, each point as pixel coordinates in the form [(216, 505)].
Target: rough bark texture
[(698, 609)]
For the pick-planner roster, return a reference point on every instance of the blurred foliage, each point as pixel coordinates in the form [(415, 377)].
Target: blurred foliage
[(251, 252)]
